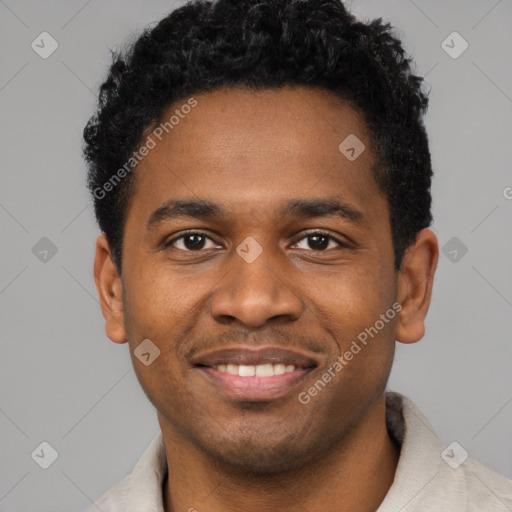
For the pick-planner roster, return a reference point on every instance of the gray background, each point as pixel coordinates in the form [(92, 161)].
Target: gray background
[(62, 380)]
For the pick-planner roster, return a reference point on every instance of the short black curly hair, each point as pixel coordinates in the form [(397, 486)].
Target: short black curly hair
[(263, 44)]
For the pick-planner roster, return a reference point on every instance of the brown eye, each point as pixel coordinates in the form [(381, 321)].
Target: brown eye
[(193, 241), (320, 241)]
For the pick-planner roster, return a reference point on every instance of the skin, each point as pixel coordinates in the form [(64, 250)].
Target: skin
[(250, 152)]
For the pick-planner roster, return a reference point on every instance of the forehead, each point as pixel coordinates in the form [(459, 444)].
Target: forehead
[(272, 122), (256, 149)]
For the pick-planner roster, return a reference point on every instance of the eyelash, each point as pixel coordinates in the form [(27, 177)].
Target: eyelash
[(321, 233)]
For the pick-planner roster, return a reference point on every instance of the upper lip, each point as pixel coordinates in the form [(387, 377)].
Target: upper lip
[(254, 356)]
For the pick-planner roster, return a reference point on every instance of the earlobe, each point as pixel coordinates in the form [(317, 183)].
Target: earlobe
[(110, 291), (415, 281)]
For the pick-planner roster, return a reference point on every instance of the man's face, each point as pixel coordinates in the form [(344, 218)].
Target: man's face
[(320, 280)]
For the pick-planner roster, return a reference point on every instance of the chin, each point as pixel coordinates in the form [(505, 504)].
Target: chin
[(260, 453)]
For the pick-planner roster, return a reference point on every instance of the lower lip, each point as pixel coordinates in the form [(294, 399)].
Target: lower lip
[(256, 388)]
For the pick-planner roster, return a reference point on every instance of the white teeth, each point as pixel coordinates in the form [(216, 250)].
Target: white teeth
[(260, 370), (279, 369), (246, 371), (264, 370), (231, 368)]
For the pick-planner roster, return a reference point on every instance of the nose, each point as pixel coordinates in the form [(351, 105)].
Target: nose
[(255, 293)]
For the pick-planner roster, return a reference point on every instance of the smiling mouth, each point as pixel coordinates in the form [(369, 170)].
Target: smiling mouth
[(260, 370), (255, 374)]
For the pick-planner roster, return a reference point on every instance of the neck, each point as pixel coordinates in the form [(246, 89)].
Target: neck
[(355, 474)]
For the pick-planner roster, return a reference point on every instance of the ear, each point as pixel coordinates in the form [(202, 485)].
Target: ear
[(110, 291), (415, 281)]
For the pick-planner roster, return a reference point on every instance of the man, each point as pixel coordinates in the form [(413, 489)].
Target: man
[(261, 176)]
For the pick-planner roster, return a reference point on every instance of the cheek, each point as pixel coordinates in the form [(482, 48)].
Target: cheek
[(154, 310), (357, 310), (154, 300), (354, 296)]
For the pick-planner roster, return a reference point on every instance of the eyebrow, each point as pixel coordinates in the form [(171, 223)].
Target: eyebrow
[(299, 208)]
